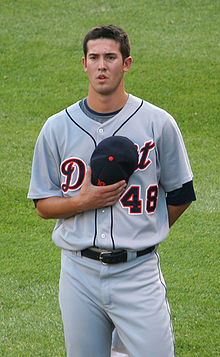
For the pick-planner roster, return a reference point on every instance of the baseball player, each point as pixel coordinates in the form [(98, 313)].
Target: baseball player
[(109, 234)]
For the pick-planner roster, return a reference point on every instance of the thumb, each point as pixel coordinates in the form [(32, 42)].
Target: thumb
[(88, 175)]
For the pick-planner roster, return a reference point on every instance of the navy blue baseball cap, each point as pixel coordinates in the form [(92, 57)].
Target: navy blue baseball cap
[(114, 159)]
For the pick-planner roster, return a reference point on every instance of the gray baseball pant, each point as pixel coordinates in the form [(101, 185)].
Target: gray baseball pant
[(95, 298)]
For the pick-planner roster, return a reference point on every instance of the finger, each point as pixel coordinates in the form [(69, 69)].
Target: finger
[(88, 175), (111, 202), (113, 195), (117, 185), (114, 187)]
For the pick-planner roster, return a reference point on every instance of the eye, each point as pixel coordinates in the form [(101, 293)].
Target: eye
[(92, 57), (110, 57)]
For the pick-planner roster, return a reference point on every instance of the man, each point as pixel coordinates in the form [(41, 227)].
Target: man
[(128, 219)]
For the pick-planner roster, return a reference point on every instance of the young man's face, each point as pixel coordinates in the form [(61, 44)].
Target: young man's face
[(105, 66)]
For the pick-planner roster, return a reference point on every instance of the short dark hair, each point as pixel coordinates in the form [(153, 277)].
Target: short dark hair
[(111, 32)]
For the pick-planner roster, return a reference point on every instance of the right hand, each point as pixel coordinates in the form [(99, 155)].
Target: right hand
[(89, 197), (93, 197)]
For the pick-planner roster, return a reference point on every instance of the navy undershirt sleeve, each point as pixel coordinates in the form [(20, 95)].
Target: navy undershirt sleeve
[(181, 196)]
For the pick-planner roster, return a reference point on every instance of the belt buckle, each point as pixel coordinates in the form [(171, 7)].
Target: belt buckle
[(101, 256)]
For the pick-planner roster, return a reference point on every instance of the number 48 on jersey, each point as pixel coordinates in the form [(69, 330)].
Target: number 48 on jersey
[(134, 203)]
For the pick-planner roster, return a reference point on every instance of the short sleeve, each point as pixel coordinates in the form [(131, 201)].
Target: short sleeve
[(181, 196), (45, 177), (175, 169)]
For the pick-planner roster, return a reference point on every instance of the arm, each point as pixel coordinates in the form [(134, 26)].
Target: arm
[(174, 212), (179, 200), (89, 197)]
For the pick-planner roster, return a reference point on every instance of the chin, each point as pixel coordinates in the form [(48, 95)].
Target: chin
[(106, 90)]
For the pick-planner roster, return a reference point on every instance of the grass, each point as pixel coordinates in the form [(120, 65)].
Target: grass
[(176, 64)]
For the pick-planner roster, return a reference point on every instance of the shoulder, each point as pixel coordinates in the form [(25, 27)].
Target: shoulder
[(155, 117), (58, 120), (60, 116), (149, 108), (155, 112)]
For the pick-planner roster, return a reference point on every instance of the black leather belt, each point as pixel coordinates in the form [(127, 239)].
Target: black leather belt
[(113, 257)]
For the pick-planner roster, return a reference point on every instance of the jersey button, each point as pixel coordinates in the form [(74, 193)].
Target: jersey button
[(103, 235), (100, 130)]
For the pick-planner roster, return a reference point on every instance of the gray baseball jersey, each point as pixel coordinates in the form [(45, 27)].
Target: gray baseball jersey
[(140, 218)]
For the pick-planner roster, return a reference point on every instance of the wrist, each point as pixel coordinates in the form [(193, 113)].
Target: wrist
[(76, 205)]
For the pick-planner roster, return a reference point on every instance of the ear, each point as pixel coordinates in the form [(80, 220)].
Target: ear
[(84, 64), (127, 63)]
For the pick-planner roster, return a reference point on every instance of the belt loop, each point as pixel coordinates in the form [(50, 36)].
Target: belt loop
[(131, 255), (78, 253)]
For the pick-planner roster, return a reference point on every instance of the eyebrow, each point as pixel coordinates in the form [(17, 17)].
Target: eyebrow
[(106, 54)]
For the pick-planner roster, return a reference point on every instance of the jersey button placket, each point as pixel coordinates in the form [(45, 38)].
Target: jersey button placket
[(101, 131), (104, 228)]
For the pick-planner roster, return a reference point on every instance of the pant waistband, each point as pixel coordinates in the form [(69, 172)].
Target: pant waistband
[(113, 257)]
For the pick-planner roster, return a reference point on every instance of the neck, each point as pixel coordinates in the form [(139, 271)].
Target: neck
[(102, 103)]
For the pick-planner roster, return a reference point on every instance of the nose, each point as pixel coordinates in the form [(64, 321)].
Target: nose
[(102, 63)]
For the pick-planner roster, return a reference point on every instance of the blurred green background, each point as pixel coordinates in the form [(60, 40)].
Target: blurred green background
[(176, 52)]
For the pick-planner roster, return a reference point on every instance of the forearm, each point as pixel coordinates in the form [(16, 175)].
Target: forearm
[(58, 207), (174, 212), (89, 197)]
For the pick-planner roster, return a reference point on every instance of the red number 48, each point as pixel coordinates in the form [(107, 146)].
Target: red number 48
[(132, 199)]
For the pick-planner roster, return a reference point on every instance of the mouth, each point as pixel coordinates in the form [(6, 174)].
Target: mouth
[(101, 77)]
